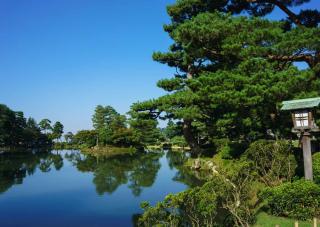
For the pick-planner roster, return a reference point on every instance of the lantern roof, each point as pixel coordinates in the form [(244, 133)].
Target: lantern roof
[(300, 104)]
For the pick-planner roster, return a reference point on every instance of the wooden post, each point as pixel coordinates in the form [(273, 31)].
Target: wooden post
[(307, 157), (314, 222), (296, 224)]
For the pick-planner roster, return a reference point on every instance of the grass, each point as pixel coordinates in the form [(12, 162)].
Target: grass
[(265, 220)]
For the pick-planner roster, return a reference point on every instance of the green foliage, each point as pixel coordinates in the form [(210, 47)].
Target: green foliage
[(109, 151), (184, 10), (68, 137), (229, 149), (57, 130), (243, 104), (45, 125), (144, 130), (172, 130), (232, 190), (194, 207), (65, 146), (171, 84), (123, 137), (316, 167), (221, 201), (226, 152), (179, 141), (233, 72), (112, 129), (85, 138), (105, 120), (299, 199), (17, 131), (273, 161)]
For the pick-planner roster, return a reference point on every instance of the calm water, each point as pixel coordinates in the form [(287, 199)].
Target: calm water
[(67, 188)]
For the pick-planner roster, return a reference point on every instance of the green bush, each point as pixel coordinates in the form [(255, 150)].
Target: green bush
[(193, 207), (273, 161), (219, 202), (316, 167), (229, 149), (179, 141), (299, 200)]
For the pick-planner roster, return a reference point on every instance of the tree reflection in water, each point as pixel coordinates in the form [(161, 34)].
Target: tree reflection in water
[(177, 159), (15, 166), (137, 171)]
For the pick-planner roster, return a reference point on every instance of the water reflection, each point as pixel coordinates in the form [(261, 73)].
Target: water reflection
[(185, 175), (137, 171), (60, 183), (15, 166)]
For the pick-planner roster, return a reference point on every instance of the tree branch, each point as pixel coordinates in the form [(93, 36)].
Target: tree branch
[(293, 17), (308, 58), (290, 14)]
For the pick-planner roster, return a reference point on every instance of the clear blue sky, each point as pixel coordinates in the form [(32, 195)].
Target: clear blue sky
[(61, 58)]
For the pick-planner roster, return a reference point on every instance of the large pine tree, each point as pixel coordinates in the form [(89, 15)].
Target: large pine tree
[(233, 71)]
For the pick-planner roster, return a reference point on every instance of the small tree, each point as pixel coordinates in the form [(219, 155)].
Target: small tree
[(69, 137), (102, 120), (57, 130), (45, 125)]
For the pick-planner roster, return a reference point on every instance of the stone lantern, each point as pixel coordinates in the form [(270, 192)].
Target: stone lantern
[(304, 125)]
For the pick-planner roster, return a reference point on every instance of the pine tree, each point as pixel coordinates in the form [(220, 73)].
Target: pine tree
[(233, 72)]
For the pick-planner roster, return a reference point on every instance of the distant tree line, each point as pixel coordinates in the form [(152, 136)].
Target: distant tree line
[(17, 131), (110, 128)]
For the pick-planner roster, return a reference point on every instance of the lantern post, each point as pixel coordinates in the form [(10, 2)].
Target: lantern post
[(304, 125)]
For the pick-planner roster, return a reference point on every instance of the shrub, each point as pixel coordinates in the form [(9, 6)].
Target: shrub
[(179, 141), (273, 161), (194, 207), (218, 202), (316, 167), (299, 200), (229, 149)]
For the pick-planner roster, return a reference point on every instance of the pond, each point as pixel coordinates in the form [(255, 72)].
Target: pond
[(68, 188)]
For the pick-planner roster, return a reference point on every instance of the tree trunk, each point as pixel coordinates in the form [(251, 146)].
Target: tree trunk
[(189, 137), (187, 127)]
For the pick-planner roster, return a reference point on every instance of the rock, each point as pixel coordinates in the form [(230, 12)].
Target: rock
[(213, 169), (197, 164), (210, 164)]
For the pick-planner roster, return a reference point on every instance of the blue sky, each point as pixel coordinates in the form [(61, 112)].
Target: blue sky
[(61, 58)]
